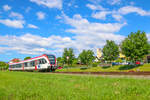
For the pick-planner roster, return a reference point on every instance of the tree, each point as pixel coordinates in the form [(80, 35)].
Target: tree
[(68, 56), (110, 51), (3, 65), (86, 57), (58, 59), (27, 58), (135, 46)]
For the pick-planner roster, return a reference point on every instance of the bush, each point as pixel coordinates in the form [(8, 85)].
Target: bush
[(83, 68), (94, 64), (65, 66), (119, 60)]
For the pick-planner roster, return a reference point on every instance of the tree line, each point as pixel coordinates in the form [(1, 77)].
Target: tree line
[(135, 46)]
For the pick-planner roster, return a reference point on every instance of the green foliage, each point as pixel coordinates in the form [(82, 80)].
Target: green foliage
[(60, 61), (3, 65), (75, 61), (68, 56), (135, 46), (27, 58), (110, 51), (95, 64), (86, 57), (116, 68), (119, 60)]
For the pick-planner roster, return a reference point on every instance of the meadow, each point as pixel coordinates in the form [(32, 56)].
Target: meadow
[(43, 86)]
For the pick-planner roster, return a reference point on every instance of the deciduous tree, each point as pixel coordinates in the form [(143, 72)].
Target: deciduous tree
[(86, 57), (110, 51), (135, 46), (27, 58), (68, 56)]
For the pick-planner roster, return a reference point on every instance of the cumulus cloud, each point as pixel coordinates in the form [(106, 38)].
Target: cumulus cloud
[(95, 7), (118, 14), (132, 9), (40, 15), (13, 23), (101, 15), (49, 3), (34, 44), (90, 35), (16, 15), (32, 26), (6, 7)]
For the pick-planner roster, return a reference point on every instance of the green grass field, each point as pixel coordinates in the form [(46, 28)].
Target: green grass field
[(41, 86), (120, 68)]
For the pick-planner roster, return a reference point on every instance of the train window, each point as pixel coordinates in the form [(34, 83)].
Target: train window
[(14, 66), (42, 61), (32, 63), (52, 59), (25, 64), (18, 65)]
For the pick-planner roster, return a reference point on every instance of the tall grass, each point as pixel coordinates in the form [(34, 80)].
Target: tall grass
[(41, 86)]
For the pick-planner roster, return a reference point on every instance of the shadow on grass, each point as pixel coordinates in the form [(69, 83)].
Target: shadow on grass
[(83, 68), (127, 67), (105, 67)]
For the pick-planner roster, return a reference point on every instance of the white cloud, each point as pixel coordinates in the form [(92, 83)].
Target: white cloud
[(49, 3), (101, 15), (90, 35), (84, 26), (118, 17), (148, 36), (114, 2), (118, 14), (6, 7), (13, 23), (34, 44), (131, 9), (40, 15), (32, 26), (95, 7), (16, 15)]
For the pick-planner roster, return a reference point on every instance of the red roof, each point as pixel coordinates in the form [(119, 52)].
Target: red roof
[(15, 60)]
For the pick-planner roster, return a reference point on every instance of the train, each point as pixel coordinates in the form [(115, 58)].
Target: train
[(45, 62)]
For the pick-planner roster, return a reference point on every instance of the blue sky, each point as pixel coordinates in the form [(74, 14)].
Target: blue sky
[(35, 27)]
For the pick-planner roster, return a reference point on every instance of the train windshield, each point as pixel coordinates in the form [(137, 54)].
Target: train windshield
[(51, 58)]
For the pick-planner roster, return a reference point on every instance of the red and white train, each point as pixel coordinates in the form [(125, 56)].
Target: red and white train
[(43, 62)]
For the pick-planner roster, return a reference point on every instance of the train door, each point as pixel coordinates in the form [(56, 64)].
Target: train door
[(42, 64)]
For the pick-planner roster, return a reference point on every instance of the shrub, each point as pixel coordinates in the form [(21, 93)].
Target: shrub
[(94, 64), (84, 68)]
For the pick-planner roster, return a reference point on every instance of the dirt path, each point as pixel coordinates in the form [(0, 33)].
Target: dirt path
[(109, 74)]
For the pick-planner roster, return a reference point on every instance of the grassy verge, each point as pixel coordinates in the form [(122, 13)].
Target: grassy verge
[(119, 68), (36, 86)]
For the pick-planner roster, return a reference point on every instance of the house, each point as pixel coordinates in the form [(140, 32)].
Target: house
[(15, 60)]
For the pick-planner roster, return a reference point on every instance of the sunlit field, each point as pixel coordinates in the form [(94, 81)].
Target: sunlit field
[(43, 86)]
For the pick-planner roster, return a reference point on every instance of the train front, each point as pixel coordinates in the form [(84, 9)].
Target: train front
[(52, 61)]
